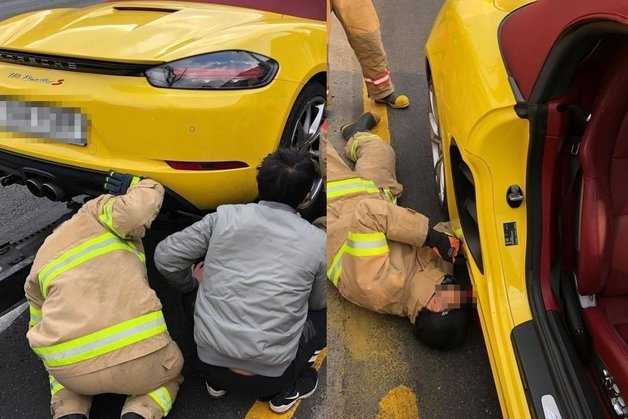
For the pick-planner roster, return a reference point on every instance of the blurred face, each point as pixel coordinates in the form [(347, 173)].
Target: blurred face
[(446, 297)]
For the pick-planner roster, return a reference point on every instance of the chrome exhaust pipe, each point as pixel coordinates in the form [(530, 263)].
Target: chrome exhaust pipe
[(53, 191), (34, 185)]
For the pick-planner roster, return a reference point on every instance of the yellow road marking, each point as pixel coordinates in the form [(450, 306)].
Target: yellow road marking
[(399, 403), (260, 410), (370, 106)]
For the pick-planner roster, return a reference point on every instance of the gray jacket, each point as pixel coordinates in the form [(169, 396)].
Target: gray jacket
[(264, 267)]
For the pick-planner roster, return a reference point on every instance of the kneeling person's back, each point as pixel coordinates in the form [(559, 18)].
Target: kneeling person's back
[(263, 285), (264, 267)]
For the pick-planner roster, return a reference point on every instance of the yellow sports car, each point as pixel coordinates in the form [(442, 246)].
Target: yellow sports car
[(528, 111), (192, 94)]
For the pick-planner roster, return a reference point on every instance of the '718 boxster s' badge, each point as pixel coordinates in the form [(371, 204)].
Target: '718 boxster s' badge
[(31, 78)]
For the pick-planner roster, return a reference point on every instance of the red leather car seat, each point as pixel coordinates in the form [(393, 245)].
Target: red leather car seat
[(603, 243)]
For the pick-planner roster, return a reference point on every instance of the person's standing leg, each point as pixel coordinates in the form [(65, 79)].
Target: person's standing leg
[(361, 25)]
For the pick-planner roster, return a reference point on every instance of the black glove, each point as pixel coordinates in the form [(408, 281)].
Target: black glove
[(119, 183), (445, 246)]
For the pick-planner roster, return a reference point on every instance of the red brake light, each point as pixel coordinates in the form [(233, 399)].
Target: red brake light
[(215, 165)]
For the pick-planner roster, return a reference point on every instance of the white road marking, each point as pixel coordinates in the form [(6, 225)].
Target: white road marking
[(8, 319)]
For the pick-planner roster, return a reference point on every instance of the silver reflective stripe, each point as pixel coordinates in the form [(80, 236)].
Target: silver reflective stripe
[(337, 267), (35, 316), (366, 244), (364, 185), (107, 217), (334, 272), (55, 386), (98, 344), (60, 265), (161, 396), (337, 188)]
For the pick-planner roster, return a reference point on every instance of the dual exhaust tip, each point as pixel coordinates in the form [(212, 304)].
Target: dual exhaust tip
[(41, 187)]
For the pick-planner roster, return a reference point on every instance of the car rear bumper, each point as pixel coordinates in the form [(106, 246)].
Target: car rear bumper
[(135, 128), (73, 181)]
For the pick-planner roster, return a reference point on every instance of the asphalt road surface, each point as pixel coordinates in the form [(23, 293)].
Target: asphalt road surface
[(24, 391), (376, 367)]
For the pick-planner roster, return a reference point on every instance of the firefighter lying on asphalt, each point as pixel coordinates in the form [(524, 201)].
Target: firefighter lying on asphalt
[(384, 257), (260, 297), (94, 320)]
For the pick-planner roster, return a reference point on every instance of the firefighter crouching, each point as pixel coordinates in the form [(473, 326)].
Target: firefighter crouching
[(94, 320)]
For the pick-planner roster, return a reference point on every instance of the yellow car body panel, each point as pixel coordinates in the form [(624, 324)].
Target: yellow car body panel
[(476, 112), (106, 33), (117, 121), (136, 127)]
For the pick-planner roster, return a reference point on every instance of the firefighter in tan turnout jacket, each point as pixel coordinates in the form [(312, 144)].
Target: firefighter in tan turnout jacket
[(384, 257), (94, 320), (361, 25)]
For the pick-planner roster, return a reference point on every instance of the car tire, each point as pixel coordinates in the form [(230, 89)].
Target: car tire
[(303, 130), (436, 143)]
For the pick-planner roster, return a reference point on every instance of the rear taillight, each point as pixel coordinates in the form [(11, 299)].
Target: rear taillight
[(214, 165), (215, 71)]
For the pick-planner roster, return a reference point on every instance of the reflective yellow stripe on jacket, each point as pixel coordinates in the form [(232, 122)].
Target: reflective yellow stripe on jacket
[(36, 316), (103, 341), (55, 386), (350, 186), (334, 271), (106, 217), (95, 247), (359, 245), (367, 244)]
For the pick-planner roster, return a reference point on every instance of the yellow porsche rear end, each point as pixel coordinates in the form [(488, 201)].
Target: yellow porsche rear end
[(191, 95)]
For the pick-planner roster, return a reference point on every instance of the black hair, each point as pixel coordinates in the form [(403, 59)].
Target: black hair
[(286, 176), (442, 330)]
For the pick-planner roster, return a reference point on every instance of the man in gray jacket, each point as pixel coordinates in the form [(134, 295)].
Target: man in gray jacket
[(260, 311)]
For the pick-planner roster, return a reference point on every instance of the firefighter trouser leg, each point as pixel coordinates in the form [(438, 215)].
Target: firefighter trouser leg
[(65, 402), (336, 167), (361, 24), (374, 160), (151, 381)]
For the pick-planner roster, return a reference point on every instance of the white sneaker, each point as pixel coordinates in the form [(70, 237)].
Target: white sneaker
[(313, 358), (215, 394), (305, 386)]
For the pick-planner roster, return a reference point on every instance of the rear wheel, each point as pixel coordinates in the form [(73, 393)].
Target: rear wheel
[(303, 131), (437, 149)]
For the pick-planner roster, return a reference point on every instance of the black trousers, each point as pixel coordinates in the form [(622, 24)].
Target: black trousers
[(313, 338)]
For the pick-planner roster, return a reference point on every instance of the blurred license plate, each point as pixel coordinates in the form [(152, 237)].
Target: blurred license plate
[(65, 125)]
